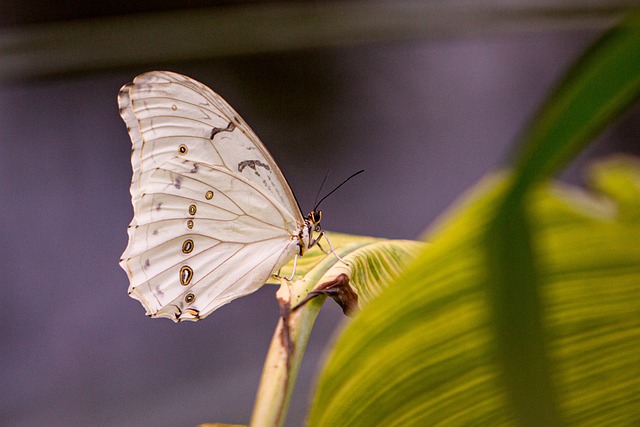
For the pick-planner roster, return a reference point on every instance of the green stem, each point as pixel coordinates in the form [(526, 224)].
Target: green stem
[(281, 365)]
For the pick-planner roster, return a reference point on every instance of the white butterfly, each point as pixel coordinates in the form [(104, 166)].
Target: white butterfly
[(214, 216)]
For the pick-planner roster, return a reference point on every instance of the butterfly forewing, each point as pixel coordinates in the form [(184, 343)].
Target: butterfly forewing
[(213, 214), (176, 115)]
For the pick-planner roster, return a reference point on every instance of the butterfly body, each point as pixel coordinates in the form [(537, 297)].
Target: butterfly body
[(214, 216)]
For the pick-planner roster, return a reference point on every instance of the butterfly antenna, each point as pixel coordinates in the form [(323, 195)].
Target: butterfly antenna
[(326, 175), (341, 184)]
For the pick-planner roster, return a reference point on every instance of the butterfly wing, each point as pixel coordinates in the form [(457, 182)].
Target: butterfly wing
[(213, 214)]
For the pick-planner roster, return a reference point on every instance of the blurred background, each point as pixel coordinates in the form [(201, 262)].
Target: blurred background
[(427, 97)]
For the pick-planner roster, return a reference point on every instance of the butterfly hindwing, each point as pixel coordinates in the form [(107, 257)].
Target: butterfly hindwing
[(213, 215)]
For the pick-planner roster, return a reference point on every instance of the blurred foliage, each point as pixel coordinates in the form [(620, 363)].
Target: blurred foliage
[(157, 38)]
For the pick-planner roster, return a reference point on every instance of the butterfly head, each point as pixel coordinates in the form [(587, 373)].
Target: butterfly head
[(313, 219)]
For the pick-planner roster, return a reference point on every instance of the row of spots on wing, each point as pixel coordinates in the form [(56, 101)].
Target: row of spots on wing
[(186, 272)]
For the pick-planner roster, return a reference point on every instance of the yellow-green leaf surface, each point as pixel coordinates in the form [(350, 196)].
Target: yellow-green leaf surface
[(372, 267), (368, 263), (371, 263), (425, 353), (315, 255)]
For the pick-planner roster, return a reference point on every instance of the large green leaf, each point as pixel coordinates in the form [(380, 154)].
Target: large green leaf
[(425, 351), (602, 84), (474, 338)]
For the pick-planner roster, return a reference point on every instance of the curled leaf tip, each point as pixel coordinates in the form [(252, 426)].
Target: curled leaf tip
[(340, 290)]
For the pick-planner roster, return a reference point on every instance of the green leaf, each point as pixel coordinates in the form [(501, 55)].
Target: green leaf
[(489, 278), (473, 338), (602, 84), (373, 267), (597, 90), (424, 352)]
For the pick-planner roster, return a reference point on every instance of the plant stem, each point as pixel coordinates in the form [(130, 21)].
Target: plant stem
[(288, 344)]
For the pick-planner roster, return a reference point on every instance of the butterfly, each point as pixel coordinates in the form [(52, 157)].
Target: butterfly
[(214, 217)]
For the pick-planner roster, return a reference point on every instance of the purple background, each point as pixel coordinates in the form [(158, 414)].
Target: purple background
[(425, 120)]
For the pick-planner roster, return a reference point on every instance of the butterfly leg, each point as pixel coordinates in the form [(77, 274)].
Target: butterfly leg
[(331, 249), (293, 273)]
